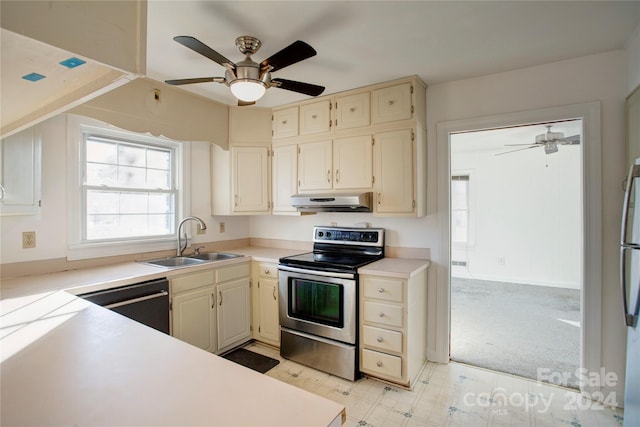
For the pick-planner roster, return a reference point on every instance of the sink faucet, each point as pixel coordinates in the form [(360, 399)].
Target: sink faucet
[(201, 226)]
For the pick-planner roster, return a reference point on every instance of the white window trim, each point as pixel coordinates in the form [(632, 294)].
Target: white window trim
[(77, 249)]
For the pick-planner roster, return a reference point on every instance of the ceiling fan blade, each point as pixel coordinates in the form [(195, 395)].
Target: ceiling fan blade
[(191, 81), (245, 103), (570, 140), (295, 52), (305, 88), (201, 48), (516, 145), (513, 151)]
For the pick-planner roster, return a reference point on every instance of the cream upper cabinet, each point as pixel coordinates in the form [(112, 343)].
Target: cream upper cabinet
[(285, 123), (315, 165), (250, 182), (20, 172), (284, 180), (353, 162), (353, 111), (394, 172), (240, 180), (315, 117), (392, 103)]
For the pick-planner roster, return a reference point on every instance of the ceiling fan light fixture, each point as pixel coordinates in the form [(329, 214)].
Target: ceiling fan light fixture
[(248, 90), (550, 147)]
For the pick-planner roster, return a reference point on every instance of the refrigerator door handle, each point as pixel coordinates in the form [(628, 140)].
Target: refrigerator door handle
[(634, 173), (630, 317)]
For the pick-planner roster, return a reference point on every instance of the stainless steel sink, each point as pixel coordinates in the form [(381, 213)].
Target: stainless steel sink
[(179, 261), (214, 256)]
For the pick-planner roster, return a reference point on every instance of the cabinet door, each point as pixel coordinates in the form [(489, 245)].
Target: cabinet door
[(394, 172), (269, 327), (250, 179), (284, 178), (353, 111), (193, 317), (234, 312), (285, 123), (315, 118), (353, 162), (315, 170), (392, 103), (20, 173)]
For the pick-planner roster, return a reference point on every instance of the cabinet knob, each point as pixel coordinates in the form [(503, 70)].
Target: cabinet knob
[(328, 175), (284, 122), (314, 116), (381, 314), (337, 175), (379, 339), (352, 109), (381, 290), (379, 364), (266, 272), (391, 102)]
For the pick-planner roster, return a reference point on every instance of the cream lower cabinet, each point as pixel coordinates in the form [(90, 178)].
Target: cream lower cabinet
[(212, 309), (393, 327), (266, 311)]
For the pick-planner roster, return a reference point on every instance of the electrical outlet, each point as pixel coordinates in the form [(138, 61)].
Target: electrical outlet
[(221, 227), (28, 239)]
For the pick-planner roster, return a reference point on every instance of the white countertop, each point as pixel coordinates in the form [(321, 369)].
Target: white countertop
[(403, 268), (65, 361), (69, 362)]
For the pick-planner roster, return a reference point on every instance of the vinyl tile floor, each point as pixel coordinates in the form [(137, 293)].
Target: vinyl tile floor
[(451, 394)]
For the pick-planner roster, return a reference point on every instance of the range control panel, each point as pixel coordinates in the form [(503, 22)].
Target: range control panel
[(349, 235)]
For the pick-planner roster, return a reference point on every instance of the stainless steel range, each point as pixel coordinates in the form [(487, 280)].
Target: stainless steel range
[(319, 298)]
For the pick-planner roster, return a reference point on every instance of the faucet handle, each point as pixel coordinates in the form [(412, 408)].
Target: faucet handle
[(196, 251)]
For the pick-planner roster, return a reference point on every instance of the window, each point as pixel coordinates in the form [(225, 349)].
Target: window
[(460, 229), (129, 189), (126, 190)]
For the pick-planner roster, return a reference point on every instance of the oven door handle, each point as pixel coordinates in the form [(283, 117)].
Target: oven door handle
[(316, 272)]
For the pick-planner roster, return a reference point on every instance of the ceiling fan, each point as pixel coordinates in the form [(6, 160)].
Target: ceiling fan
[(249, 80), (548, 140)]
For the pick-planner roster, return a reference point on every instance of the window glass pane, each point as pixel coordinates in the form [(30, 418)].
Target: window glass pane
[(160, 179), (159, 159), (102, 226), (102, 174), (131, 177), (132, 156), (102, 202), (459, 194), (459, 226), (161, 203), (161, 224), (103, 152), (133, 203)]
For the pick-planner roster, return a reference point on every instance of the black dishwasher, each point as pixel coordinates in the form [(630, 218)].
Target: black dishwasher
[(145, 302)]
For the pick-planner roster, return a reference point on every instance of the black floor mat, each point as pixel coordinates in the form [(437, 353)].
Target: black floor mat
[(252, 360)]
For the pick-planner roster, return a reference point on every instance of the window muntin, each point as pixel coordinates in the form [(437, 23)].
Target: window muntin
[(129, 188)]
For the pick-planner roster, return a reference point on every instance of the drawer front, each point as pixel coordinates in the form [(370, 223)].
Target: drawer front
[(382, 363), (268, 270), (191, 281), (383, 288), (237, 271), (383, 339), (385, 314)]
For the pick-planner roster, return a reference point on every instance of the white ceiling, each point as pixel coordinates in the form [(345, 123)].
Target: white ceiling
[(366, 42)]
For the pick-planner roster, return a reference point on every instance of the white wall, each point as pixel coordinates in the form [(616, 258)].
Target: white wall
[(598, 77), (525, 208)]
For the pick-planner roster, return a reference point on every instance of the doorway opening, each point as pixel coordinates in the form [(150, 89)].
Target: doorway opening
[(516, 242)]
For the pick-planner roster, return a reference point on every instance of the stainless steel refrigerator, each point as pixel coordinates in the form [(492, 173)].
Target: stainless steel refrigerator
[(630, 278)]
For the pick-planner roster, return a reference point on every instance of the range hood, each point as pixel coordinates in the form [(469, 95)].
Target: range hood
[(345, 202)]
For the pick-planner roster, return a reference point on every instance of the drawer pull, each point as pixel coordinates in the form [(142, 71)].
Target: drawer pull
[(379, 364), (381, 314), (266, 272), (381, 290), (379, 339)]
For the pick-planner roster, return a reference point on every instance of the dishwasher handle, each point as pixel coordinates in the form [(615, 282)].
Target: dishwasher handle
[(136, 300)]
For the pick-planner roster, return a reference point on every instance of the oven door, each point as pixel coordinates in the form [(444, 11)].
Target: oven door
[(319, 303)]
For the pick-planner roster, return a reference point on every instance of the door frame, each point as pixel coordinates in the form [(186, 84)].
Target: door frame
[(591, 275)]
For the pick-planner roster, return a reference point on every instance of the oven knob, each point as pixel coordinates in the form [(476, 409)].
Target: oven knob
[(328, 234), (320, 233)]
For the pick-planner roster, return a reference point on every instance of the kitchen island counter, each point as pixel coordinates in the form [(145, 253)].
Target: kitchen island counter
[(66, 361)]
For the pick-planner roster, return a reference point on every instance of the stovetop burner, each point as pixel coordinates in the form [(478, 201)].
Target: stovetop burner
[(340, 249)]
